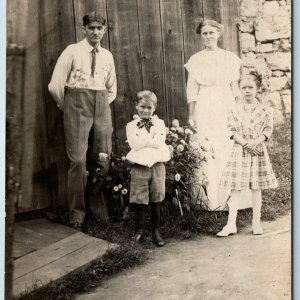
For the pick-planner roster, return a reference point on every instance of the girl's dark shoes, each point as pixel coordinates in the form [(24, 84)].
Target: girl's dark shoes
[(157, 239)]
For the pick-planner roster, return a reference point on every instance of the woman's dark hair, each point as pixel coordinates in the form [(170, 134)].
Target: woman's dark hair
[(213, 23)]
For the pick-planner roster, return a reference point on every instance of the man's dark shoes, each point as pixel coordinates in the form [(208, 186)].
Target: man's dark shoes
[(77, 226), (157, 239)]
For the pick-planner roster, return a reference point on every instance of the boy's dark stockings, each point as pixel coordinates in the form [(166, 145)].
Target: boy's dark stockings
[(140, 210), (155, 218), (139, 221)]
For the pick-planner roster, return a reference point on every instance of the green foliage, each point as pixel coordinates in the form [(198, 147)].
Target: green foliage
[(277, 202)]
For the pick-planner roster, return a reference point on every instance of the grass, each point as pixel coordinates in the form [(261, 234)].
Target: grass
[(276, 202)]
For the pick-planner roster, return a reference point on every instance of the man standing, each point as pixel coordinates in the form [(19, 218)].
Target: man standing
[(83, 85)]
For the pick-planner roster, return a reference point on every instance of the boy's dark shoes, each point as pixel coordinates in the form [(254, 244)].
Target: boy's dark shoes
[(139, 236), (157, 239)]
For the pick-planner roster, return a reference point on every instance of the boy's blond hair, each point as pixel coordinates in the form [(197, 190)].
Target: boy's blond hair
[(148, 96)]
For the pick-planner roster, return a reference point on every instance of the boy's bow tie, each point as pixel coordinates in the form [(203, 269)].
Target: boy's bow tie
[(145, 122)]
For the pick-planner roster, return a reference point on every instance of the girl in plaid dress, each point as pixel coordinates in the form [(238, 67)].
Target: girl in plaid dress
[(249, 167)]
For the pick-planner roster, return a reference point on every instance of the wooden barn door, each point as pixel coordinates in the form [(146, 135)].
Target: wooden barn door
[(150, 42)]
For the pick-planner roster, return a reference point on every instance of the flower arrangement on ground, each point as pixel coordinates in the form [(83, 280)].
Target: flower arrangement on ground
[(185, 171)]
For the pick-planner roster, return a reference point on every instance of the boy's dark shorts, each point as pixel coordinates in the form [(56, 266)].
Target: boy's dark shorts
[(147, 184)]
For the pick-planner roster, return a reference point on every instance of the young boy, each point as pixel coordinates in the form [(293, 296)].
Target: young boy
[(146, 137)]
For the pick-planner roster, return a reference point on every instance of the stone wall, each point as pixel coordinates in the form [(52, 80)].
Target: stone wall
[(265, 37)]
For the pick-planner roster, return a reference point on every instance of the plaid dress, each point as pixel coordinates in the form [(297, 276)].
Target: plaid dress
[(243, 170)]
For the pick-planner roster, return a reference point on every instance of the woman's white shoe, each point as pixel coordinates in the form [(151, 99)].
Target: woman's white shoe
[(257, 230), (227, 230)]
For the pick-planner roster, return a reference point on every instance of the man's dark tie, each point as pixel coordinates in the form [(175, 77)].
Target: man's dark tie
[(94, 53)]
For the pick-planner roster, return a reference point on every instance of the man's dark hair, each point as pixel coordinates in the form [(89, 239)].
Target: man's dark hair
[(93, 17)]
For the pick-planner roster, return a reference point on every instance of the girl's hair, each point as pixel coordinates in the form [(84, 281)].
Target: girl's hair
[(147, 96), (213, 23), (254, 76)]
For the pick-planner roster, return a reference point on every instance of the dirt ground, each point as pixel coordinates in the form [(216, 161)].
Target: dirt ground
[(238, 267)]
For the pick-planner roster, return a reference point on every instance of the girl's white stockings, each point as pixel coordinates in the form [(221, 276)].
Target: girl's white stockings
[(230, 227), (256, 203)]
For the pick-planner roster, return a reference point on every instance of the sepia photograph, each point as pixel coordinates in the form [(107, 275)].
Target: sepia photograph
[(148, 149)]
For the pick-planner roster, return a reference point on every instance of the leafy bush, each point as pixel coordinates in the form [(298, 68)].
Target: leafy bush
[(183, 170)]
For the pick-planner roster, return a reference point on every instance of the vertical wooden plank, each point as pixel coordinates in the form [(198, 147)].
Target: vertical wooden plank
[(16, 18), (192, 14), (81, 8), (14, 132), (230, 18), (35, 143), (173, 59), (151, 52), (57, 32), (212, 9), (124, 44)]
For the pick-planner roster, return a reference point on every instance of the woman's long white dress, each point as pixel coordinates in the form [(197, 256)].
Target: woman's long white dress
[(209, 85)]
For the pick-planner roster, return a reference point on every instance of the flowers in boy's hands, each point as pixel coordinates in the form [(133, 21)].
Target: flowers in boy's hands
[(103, 156)]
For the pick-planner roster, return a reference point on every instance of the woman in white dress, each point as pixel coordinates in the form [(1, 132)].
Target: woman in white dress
[(211, 91)]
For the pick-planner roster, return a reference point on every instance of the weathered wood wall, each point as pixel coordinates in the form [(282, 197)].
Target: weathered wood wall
[(14, 131), (150, 42)]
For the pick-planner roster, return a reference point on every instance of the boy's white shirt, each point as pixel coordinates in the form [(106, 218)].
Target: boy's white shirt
[(147, 148)]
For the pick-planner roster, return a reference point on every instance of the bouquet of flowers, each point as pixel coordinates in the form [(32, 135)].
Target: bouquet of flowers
[(187, 163)]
